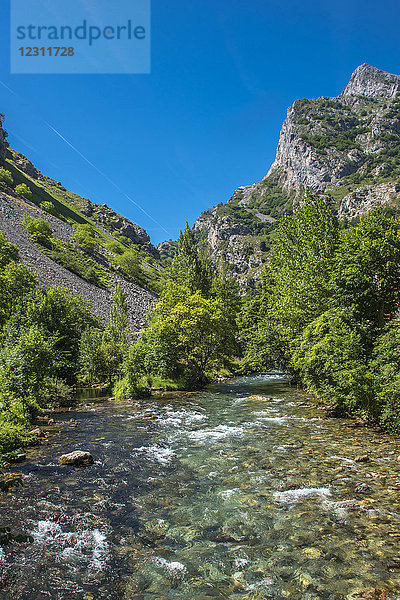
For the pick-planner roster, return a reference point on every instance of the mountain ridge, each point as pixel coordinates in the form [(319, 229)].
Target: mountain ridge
[(90, 271), (345, 147)]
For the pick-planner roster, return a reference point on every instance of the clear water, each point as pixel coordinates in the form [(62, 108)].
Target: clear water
[(209, 495)]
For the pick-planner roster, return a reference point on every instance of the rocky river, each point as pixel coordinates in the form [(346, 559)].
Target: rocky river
[(244, 491)]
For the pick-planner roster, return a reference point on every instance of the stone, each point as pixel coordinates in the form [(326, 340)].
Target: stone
[(362, 488), (363, 458), (78, 458), (370, 594), (16, 458), (38, 432)]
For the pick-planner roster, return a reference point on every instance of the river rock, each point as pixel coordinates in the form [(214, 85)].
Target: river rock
[(370, 594), (363, 458), (78, 458), (38, 432), (17, 458), (363, 488)]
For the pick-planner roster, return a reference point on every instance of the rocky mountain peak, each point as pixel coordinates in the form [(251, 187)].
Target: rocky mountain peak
[(372, 82)]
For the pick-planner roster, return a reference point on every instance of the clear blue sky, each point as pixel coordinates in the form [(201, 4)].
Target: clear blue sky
[(207, 118)]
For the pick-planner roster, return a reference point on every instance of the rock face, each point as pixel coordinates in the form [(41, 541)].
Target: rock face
[(50, 273), (27, 167), (346, 148), (2, 143), (107, 217), (369, 81), (77, 459)]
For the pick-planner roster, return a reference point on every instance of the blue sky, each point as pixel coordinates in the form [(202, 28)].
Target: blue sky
[(207, 118)]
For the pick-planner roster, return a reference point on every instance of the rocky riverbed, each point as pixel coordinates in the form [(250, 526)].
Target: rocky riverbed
[(244, 491)]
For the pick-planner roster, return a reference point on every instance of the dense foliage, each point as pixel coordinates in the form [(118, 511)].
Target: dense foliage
[(192, 331), (326, 311)]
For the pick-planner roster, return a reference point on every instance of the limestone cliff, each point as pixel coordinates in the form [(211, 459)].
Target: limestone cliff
[(346, 147), (3, 136)]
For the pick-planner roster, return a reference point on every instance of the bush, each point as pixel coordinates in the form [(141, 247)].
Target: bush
[(23, 190), (86, 237), (12, 436), (115, 248), (129, 262), (48, 207), (39, 229), (6, 177), (129, 387), (59, 393)]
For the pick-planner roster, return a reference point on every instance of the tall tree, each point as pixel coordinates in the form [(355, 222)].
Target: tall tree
[(191, 266)]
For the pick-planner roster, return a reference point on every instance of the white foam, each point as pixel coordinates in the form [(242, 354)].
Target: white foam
[(241, 562), (173, 567), (216, 433), (86, 546), (299, 493), (157, 453), (226, 494)]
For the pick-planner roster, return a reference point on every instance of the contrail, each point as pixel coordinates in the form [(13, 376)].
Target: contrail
[(89, 162)]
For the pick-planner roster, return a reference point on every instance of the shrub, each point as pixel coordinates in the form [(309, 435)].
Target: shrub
[(39, 229), (48, 207), (86, 237), (6, 177), (115, 247), (23, 190), (59, 393)]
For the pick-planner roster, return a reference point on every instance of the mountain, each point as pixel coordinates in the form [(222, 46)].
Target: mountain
[(347, 148), (110, 250)]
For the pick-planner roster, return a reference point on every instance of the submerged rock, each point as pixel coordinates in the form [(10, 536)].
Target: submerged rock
[(78, 458), (363, 488), (370, 594), (363, 458)]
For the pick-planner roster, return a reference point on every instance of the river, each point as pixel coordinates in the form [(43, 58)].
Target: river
[(208, 495)]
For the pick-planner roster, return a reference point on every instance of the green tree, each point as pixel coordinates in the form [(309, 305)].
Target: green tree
[(191, 265), (86, 237), (130, 264), (367, 268), (26, 358), (65, 316), (8, 251), (48, 207), (331, 356), (386, 373), (92, 358), (301, 265), (296, 285), (188, 336), (38, 229)]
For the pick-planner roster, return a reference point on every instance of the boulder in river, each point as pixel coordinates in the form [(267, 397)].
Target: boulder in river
[(78, 458)]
